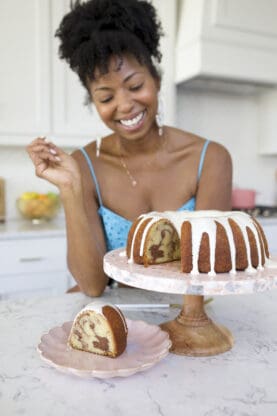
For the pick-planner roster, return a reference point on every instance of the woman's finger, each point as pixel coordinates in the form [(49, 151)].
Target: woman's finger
[(40, 142), (55, 149), (44, 155), (40, 168), (36, 141), (44, 149)]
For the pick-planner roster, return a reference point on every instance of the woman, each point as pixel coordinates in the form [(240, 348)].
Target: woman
[(142, 166)]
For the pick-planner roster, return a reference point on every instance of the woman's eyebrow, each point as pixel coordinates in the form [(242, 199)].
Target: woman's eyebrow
[(105, 88), (102, 88), (131, 75)]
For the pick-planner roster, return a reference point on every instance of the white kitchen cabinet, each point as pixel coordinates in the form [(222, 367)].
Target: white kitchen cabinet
[(40, 95), (33, 263), (229, 39), (71, 117), (25, 70)]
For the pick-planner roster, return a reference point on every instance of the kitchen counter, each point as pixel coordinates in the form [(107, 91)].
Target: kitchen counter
[(239, 382), (26, 229)]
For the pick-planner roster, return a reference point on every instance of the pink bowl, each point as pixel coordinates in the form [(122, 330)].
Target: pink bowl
[(243, 198)]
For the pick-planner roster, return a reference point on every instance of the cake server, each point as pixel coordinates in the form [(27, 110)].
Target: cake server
[(154, 305)]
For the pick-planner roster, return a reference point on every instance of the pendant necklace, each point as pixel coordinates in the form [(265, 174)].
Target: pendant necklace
[(132, 179)]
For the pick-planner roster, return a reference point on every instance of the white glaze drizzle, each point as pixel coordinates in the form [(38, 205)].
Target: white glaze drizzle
[(155, 217), (205, 222), (272, 264), (256, 234), (97, 307), (148, 226)]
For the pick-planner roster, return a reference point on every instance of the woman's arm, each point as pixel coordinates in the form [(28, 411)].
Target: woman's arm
[(215, 184), (85, 238)]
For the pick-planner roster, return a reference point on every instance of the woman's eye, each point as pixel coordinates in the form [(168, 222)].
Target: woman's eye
[(106, 100), (136, 87)]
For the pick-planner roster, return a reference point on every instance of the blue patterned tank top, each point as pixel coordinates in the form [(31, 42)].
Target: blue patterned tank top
[(115, 226)]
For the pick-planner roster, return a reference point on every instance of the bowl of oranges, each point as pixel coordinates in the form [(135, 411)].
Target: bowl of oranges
[(38, 207)]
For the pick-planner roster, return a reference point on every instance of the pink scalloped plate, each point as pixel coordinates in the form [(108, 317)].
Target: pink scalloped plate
[(146, 346)]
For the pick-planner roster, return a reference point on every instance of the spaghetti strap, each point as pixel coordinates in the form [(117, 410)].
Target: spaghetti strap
[(202, 158), (92, 174)]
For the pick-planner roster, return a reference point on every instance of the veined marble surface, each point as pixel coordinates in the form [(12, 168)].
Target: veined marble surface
[(240, 382)]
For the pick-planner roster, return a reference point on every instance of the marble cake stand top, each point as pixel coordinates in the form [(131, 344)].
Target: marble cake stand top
[(167, 278)]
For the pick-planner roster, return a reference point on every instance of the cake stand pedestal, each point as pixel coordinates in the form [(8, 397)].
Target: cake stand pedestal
[(192, 332)]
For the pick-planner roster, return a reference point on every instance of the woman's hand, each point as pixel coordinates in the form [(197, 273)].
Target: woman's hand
[(53, 164)]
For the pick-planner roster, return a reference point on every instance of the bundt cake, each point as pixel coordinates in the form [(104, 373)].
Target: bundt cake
[(99, 328), (205, 241)]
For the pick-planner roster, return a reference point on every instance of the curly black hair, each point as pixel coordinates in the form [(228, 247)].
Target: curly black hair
[(95, 30)]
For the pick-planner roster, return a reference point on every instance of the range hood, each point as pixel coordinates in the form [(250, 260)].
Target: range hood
[(219, 85), (227, 44)]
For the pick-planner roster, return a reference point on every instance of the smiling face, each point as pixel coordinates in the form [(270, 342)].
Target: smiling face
[(126, 98)]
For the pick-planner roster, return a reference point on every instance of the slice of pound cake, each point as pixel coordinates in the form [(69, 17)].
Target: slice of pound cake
[(99, 328)]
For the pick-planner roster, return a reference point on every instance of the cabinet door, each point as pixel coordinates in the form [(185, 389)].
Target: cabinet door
[(245, 23), (33, 284), (230, 39), (247, 16), (71, 118), (24, 69), (33, 255)]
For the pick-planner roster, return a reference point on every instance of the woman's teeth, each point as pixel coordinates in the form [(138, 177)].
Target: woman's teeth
[(132, 122)]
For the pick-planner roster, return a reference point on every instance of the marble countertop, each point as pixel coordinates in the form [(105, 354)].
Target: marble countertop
[(26, 229), (239, 382)]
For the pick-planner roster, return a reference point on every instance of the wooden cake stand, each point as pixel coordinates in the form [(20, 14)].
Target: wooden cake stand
[(192, 332)]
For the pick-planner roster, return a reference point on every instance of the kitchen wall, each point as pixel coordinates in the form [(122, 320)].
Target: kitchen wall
[(233, 120), (230, 119)]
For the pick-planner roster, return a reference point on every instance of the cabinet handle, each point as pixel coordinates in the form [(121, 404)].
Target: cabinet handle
[(30, 259)]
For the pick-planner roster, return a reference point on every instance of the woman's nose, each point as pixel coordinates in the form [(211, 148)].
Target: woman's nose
[(124, 102)]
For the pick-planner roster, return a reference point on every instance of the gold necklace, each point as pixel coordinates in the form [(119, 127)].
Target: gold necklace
[(133, 180)]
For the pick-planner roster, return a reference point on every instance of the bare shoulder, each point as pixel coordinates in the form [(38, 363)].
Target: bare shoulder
[(218, 154), (90, 149), (181, 139), (184, 140), (218, 148)]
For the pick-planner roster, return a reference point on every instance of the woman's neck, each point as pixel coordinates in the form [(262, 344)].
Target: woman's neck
[(149, 144)]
